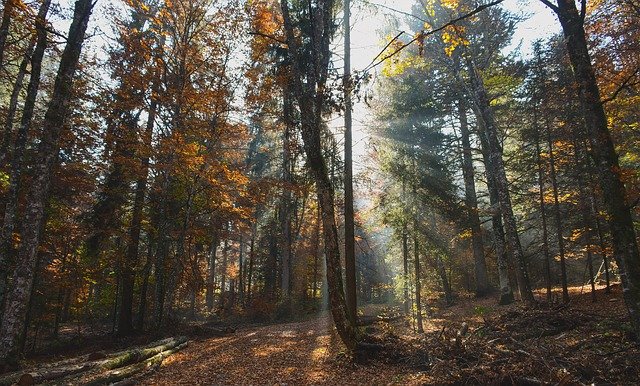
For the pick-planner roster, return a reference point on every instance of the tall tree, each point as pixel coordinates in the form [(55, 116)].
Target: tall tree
[(15, 312), (625, 244), (349, 237), (309, 77)]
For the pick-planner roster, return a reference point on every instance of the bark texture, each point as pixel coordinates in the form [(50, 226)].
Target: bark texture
[(15, 312)]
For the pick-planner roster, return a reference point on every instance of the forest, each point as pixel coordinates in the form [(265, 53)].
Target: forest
[(220, 192)]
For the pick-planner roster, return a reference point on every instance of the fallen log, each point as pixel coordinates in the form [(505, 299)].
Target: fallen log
[(138, 355), (74, 366), (123, 373)]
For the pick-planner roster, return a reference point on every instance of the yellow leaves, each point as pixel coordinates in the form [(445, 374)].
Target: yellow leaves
[(451, 4), (453, 37), (398, 63)]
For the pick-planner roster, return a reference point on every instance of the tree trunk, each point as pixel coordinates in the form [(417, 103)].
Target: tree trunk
[(502, 256), (418, 288), (543, 215), (211, 270), (558, 217), (405, 258), (471, 203), (310, 97), (15, 310), (17, 158), (483, 111), (349, 238), (625, 245), (285, 205), (142, 307), (7, 14), (15, 96), (251, 262)]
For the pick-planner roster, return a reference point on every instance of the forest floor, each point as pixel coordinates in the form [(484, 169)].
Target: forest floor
[(581, 343), (474, 341)]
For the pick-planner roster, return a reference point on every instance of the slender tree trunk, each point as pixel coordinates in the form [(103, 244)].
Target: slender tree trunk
[(240, 276), (558, 217), (251, 262), (405, 259), (211, 270), (223, 276), (17, 159), (15, 96), (471, 203), (15, 311), (285, 205), (543, 215), (125, 318), (349, 238), (595, 212), (584, 205), (7, 14), (142, 307), (418, 288)]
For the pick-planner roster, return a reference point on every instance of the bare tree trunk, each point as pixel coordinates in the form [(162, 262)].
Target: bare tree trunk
[(15, 96), (142, 307), (483, 111), (502, 257), (558, 217), (471, 203), (595, 212), (285, 204), (543, 215), (7, 14), (418, 288), (223, 277), (251, 262), (15, 311), (125, 318), (17, 158), (349, 238), (211, 269), (405, 266)]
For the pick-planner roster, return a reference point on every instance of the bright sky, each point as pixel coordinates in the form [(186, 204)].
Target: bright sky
[(366, 42)]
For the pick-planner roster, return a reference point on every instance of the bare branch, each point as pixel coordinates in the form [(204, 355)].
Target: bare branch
[(424, 34), (268, 37), (554, 8), (622, 86)]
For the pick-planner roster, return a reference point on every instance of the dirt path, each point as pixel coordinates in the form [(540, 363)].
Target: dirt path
[(292, 354), (581, 343)]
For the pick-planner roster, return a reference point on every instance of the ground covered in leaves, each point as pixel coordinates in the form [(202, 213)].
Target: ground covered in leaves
[(581, 343)]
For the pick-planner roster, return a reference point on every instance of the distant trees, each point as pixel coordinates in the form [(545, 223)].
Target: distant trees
[(526, 119)]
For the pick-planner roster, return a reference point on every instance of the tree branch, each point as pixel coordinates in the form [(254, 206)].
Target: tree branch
[(268, 37), (622, 86), (424, 34), (554, 8)]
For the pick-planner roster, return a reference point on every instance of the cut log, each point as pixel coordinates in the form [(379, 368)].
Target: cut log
[(138, 355), (123, 373), (92, 362)]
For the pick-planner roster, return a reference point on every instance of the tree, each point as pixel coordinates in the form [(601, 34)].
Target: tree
[(15, 311), (605, 157), (309, 77)]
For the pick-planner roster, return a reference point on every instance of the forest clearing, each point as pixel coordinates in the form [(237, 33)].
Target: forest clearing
[(319, 192)]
